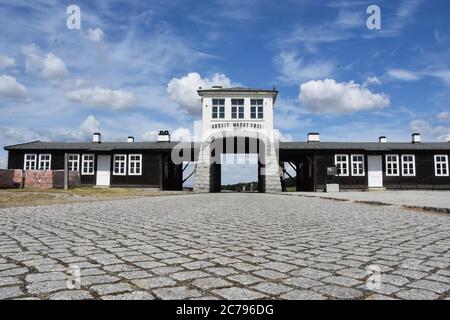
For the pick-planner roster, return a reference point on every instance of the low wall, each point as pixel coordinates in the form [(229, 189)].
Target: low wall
[(10, 179)]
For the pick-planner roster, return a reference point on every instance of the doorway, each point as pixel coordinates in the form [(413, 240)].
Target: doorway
[(104, 170), (375, 171)]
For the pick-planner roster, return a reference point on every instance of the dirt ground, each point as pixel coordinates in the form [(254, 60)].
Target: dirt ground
[(37, 197)]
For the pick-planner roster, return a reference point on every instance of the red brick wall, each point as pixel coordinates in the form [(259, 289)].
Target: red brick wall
[(10, 179)]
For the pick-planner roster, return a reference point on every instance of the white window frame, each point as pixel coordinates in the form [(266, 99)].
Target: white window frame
[(122, 166), (47, 161), (337, 163), (135, 161), (256, 109), (31, 161), (84, 165), (75, 162), (397, 163), (362, 162), (413, 162), (445, 163)]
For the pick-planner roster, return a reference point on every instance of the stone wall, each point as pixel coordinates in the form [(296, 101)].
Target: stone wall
[(10, 179)]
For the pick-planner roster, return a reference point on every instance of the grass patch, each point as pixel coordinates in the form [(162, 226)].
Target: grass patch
[(31, 197)]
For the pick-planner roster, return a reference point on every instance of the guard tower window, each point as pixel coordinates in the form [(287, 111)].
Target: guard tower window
[(237, 108), (218, 108), (256, 109)]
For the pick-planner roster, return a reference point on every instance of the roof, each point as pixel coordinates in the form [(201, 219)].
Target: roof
[(273, 91), (89, 146), (367, 146), (110, 146)]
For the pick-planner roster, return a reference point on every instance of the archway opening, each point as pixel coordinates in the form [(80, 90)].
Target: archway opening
[(239, 172)]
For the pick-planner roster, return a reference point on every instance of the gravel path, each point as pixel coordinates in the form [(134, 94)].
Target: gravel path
[(223, 246)]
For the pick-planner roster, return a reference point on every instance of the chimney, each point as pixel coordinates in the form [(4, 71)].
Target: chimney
[(130, 139), (382, 139), (416, 138), (97, 137), (313, 137), (164, 136)]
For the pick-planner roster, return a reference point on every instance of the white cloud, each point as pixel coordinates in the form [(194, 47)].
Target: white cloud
[(373, 80), (329, 96), (181, 134), (49, 66), (100, 97), (293, 70), (88, 127), (278, 135), (184, 90), (10, 88), (443, 116), (439, 133), (6, 62), (95, 35), (150, 136), (404, 75)]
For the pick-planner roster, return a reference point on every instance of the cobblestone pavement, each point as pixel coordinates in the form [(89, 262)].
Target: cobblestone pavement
[(223, 246)]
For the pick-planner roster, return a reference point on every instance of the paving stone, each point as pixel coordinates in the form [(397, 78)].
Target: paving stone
[(271, 288), (163, 271), (10, 292), (135, 295), (279, 266), (239, 294), (341, 280), (339, 292), (149, 264), (209, 283), (301, 282), (46, 287), (245, 279), (188, 275), (197, 265), (310, 273), (13, 272), (394, 279), (71, 295), (270, 274), (379, 297), (47, 276), (6, 281), (89, 280), (104, 289), (222, 271), (417, 294), (134, 274), (302, 295), (434, 286), (152, 283), (176, 293)]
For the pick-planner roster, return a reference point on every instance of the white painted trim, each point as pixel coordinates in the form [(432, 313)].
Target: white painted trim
[(140, 164), (363, 165), (445, 163), (83, 163), (397, 162), (121, 161), (413, 162), (34, 161), (41, 161), (346, 162), (77, 161)]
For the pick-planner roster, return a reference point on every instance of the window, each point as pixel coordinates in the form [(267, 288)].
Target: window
[(256, 109), (237, 108), (358, 165), (45, 161), (30, 162), (218, 109), (120, 164), (341, 162), (441, 165), (74, 162), (392, 165), (135, 165), (408, 165), (87, 164)]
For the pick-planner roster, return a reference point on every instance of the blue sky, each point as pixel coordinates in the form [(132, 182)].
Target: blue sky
[(133, 67)]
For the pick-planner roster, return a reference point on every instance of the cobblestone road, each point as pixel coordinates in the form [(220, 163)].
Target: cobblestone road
[(232, 246)]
